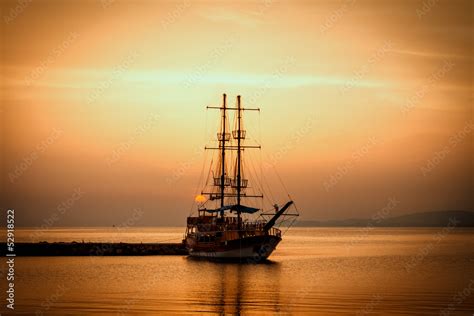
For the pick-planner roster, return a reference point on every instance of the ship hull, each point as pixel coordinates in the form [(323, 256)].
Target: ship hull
[(249, 249)]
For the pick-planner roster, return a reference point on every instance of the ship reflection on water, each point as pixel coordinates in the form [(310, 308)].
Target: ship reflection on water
[(235, 288)]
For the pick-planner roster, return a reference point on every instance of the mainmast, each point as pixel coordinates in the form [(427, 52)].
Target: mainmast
[(223, 152)]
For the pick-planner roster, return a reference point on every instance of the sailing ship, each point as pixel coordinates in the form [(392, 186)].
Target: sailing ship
[(226, 228)]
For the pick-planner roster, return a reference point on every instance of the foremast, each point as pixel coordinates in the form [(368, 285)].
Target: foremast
[(239, 157)]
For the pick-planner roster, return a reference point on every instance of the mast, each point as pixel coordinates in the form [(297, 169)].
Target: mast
[(221, 180), (223, 152), (239, 157)]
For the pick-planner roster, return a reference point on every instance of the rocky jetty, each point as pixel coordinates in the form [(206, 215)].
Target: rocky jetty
[(96, 249)]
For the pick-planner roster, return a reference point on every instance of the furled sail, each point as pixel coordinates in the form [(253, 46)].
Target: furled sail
[(235, 207)]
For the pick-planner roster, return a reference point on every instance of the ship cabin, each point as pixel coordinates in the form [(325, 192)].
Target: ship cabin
[(215, 228)]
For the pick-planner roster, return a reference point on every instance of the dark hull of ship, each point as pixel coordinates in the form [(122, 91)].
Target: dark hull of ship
[(248, 249)]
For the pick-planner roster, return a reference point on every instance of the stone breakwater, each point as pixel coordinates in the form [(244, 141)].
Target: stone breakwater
[(96, 249)]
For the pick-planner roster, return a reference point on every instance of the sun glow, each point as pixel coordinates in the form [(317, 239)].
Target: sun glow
[(200, 199)]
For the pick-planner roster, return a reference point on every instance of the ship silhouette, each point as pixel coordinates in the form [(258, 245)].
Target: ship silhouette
[(225, 228)]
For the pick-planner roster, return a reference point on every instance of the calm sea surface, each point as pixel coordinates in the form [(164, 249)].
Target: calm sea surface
[(317, 271)]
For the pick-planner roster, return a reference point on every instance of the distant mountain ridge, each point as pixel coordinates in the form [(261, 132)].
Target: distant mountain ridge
[(423, 219)]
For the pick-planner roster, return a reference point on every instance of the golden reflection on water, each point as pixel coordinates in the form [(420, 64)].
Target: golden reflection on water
[(313, 271), (236, 284)]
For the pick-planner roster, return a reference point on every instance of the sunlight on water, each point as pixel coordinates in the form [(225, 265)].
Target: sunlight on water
[(313, 270)]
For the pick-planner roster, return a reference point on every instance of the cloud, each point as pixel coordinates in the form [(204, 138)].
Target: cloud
[(88, 78), (434, 55), (228, 15)]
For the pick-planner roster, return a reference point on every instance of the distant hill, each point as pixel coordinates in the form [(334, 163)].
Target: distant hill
[(424, 219)]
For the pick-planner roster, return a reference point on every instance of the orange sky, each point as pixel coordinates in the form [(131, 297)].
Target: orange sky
[(368, 99)]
